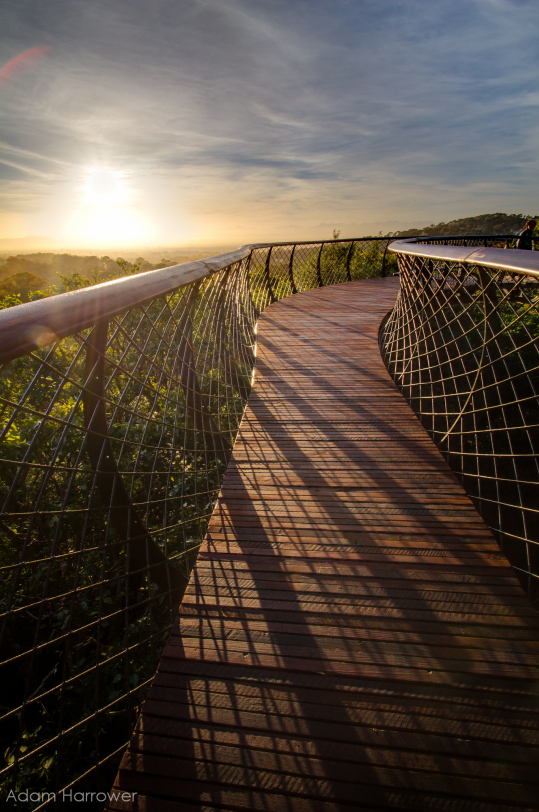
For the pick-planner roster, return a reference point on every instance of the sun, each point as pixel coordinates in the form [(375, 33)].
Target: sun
[(105, 187), (106, 211)]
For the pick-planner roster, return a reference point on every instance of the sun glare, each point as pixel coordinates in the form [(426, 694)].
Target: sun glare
[(105, 187), (106, 211)]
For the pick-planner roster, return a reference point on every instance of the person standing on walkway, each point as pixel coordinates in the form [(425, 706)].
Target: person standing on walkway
[(525, 240)]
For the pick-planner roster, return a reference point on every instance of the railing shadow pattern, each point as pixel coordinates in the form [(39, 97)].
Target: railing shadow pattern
[(308, 577), (120, 406), (462, 345)]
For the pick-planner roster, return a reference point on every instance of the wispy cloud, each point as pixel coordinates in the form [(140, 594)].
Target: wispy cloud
[(27, 169)]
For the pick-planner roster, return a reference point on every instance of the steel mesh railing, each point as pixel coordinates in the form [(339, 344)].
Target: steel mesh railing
[(462, 344), (120, 405), (283, 269)]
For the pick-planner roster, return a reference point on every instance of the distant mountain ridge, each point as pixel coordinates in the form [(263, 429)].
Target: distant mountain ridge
[(498, 223)]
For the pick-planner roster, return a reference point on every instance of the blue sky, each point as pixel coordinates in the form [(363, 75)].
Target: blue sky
[(177, 121)]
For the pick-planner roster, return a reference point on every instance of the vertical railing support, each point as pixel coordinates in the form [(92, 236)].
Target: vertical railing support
[(291, 270), (383, 271), (318, 267), (268, 278), (348, 260), (249, 286)]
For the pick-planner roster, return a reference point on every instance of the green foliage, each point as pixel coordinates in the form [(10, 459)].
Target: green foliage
[(21, 284), (76, 280), (10, 300), (367, 263), (23, 264)]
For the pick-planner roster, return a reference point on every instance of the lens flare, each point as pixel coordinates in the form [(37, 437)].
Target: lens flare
[(21, 63), (41, 336)]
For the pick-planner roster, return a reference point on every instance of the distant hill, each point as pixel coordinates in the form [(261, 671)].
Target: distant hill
[(480, 224)]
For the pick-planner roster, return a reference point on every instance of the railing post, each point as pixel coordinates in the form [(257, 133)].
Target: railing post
[(291, 270), (383, 271), (268, 279), (348, 259), (318, 268)]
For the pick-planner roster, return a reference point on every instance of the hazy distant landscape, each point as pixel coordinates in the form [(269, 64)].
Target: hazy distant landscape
[(30, 275), (48, 273)]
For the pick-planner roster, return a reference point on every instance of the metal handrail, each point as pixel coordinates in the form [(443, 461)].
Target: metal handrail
[(64, 314), (462, 345), (514, 261), (75, 310)]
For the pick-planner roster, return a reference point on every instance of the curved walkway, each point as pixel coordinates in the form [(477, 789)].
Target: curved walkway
[(352, 637)]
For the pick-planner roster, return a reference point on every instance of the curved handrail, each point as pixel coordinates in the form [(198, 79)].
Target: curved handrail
[(76, 310), (513, 261)]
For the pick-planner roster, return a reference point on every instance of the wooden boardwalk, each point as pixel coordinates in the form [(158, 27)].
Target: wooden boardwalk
[(352, 637)]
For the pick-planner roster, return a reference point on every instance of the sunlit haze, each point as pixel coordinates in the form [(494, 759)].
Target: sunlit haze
[(202, 121), (104, 187), (105, 212)]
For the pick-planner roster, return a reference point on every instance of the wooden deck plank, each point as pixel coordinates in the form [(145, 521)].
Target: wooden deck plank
[(352, 636)]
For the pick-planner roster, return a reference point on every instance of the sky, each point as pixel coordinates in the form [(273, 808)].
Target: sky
[(160, 122)]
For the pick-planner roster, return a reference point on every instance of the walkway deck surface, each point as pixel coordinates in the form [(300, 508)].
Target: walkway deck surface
[(352, 637)]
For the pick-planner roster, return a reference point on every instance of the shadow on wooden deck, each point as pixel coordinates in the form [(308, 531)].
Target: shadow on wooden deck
[(352, 637)]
